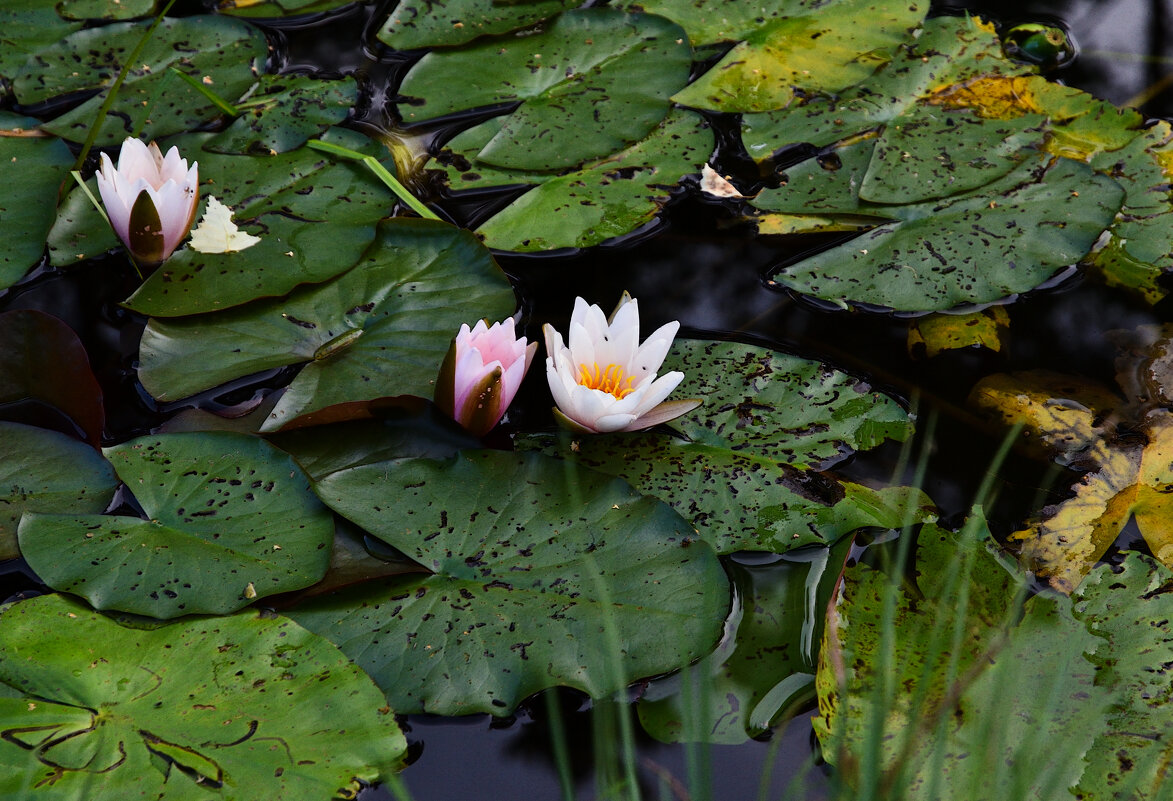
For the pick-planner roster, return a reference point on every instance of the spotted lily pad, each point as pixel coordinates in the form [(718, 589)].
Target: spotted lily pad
[(229, 519), (571, 83), (544, 574), (105, 9), (151, 102), (1000, 239), (284, 112), (415, 24), (315, 216), (823, 49), (380, 330), (603, 200), (937, 333), (44, 471), (745, 471), (263, 9), (221, 708), (25, 27), (915, 682), (32, 167)]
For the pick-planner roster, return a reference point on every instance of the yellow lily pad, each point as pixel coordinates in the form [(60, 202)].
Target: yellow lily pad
[(940, 332)]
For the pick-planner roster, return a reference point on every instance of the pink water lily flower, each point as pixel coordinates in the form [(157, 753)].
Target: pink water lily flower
[(481, 374), (606, 380), (150, 199)]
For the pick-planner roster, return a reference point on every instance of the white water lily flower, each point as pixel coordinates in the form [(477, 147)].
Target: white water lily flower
[(606, 380), (150, 199), (481, 373)]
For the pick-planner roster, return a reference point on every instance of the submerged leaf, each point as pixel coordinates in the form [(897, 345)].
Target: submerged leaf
[(941, 332)]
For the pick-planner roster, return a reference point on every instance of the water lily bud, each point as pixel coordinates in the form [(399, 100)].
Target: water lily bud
[(606, 380), (150, 199), (481, 373)]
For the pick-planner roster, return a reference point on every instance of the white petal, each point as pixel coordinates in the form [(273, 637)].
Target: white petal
[(651, 354), (658, 390), (668, 410)]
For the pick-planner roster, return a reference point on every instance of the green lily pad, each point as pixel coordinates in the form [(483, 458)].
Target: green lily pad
[(447, 23), (224, 708), (25, 27), (1006, 237), (746, 472), (380, 330), (229, 519), (572, 81), (713, 21), (151, 102), (264, 9), (826, 49), (1129, 607), (765, 669), (603, 200), (544, 575), (31, 169), (284, 112), (105, 9), (44, 471), (315, 217), (917, 703)]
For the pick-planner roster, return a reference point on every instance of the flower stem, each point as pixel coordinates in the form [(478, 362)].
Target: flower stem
[(219, 102), (112, 95), (380, 172)]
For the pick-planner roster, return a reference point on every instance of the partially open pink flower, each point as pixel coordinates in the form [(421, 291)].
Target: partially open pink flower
[(481, 374), (151, 200)]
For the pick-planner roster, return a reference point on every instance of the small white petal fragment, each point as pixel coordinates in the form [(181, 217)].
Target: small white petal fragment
[(216, 232), (250, 591), (713, 184)]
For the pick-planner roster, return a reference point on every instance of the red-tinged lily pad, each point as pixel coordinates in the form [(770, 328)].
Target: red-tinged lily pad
[(43, 361), (229, 519)]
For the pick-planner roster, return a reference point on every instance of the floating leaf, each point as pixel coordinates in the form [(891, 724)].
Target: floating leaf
[(1129, 606), (1140, 250), (604, 200), (44, 471), (921, 699), (225, 513), (545, 575), (25, 27), (106, 9), (43, 361), (217, 708), (1007, 237), (714, 21), (151, 102), (937, 333), (380, 330), (315, 218), (284, 112), (764, 668), (743, 475), (278, 8), (445, 23), (32, 168), (839, 44), (572, 81)]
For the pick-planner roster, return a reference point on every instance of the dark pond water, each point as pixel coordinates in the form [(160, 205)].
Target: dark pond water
[(711, 277)]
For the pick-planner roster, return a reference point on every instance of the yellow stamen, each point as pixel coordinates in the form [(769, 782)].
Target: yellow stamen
[(610, 379)]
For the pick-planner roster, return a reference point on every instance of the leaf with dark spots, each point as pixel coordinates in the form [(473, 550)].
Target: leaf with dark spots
[(604, 565), (181, 710), (422, 276), (44, 471), (284, 112), (415, 24), (207, 546), (229, 52)]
